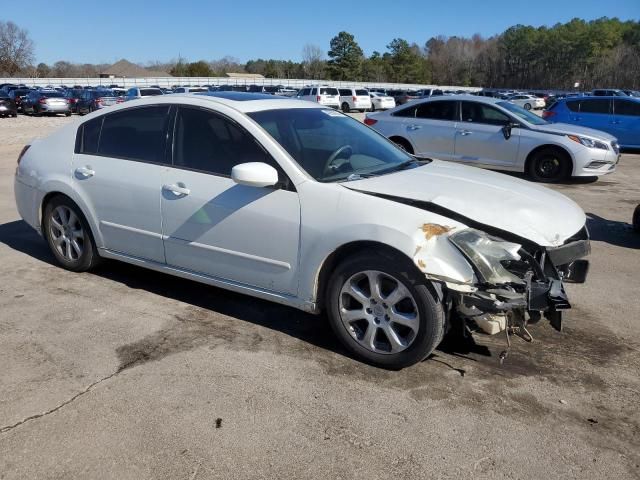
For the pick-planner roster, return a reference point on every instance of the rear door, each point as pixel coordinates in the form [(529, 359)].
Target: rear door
[(595, 113), (216, 227), (432, 129), (118, 169), (626, 121), (480, 139)]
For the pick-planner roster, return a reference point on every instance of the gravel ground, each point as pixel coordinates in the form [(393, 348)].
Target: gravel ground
[(125, 373)]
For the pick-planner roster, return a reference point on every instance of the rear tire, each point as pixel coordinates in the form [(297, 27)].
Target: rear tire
[(68, 235), (549, 165), (527, 106), (393, 326), (345, 107)]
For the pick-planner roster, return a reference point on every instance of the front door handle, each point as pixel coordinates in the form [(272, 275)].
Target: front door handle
[(176, 189), (414, 127), (465, 132), (575, 118), (615, 122), (85, 172)]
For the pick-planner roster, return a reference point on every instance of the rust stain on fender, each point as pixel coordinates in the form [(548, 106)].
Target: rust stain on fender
[(433, 230)]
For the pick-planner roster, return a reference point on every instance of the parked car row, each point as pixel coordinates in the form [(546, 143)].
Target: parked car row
[(497, 134)]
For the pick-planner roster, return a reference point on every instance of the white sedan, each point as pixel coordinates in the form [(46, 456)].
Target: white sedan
[(527, 102), (299, 204), (380, 101), (493, 133)]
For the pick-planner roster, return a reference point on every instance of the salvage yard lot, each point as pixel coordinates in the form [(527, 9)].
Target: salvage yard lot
[(126, 373)]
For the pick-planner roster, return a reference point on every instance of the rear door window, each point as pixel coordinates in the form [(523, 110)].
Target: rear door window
[(135, 134), (595, 106), (444, 110)]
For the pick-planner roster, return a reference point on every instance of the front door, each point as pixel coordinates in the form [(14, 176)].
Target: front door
[(626, 121), (214, 226), (480, 139)]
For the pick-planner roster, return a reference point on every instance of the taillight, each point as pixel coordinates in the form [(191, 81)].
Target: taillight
[(24, 150), (370, 121), (548, 114), (318, 98), (98, 101), (119, 100), (42, 101), (354, 99)]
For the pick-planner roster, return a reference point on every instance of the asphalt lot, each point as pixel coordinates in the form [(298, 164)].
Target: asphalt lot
[(129, 374)]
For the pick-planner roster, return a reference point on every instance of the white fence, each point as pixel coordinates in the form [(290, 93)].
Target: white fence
[(169, 82)]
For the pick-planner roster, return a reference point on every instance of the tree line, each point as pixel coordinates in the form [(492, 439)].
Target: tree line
[(598, 53)]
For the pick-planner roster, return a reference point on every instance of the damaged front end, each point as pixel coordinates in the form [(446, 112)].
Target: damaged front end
[(518, 281)]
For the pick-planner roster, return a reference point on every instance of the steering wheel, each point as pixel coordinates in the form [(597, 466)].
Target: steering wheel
[(329, 169)]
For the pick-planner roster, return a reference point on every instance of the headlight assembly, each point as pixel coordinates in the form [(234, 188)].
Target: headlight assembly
[(486, 254), (589, 142)]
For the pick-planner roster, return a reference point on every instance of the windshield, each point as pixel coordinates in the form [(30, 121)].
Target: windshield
[(526, 115), (330, 146)]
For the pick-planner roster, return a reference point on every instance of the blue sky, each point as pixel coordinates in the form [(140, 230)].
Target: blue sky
[(103, 32)]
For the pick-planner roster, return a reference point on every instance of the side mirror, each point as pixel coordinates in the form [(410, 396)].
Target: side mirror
[(254, 174), (506, 130)]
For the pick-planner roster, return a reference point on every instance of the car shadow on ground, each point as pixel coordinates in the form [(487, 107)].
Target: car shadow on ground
[(567, 181), (613, 232), (313, 329)]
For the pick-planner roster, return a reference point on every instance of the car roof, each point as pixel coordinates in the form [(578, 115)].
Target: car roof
[(455, 98), (240, 101)]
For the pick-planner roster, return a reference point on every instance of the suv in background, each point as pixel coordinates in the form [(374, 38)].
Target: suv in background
[(354, 99), (327, 96), (618, 116), (140, 92), (608, 92)]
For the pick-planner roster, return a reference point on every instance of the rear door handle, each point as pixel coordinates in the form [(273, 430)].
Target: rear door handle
[(615, 122), (575, 118), (85, 172), (414, 127), (465, 132), (176, 189)]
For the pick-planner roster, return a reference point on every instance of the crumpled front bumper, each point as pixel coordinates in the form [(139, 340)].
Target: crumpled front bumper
[(543, 290)]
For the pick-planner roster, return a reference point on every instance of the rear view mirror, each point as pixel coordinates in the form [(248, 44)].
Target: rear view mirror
[(254, 174)]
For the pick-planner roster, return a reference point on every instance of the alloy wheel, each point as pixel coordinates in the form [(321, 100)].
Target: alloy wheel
[(379, 312), (66, 233), (549, 167)]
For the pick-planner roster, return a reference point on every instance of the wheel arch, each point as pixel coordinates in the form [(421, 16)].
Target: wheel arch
[(403, 140), (85, 210), (549, 146), (330, 263)]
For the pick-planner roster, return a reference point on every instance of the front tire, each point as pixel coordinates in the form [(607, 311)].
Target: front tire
[(345, 107), (383, 310), (68, 235), (636, 219), (549, 165)]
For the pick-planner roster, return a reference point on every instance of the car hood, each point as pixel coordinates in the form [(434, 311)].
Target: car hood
[(527, 210), (566, 128)]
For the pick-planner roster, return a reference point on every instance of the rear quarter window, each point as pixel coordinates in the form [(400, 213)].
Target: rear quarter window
[(88, 136), (572, 105)]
